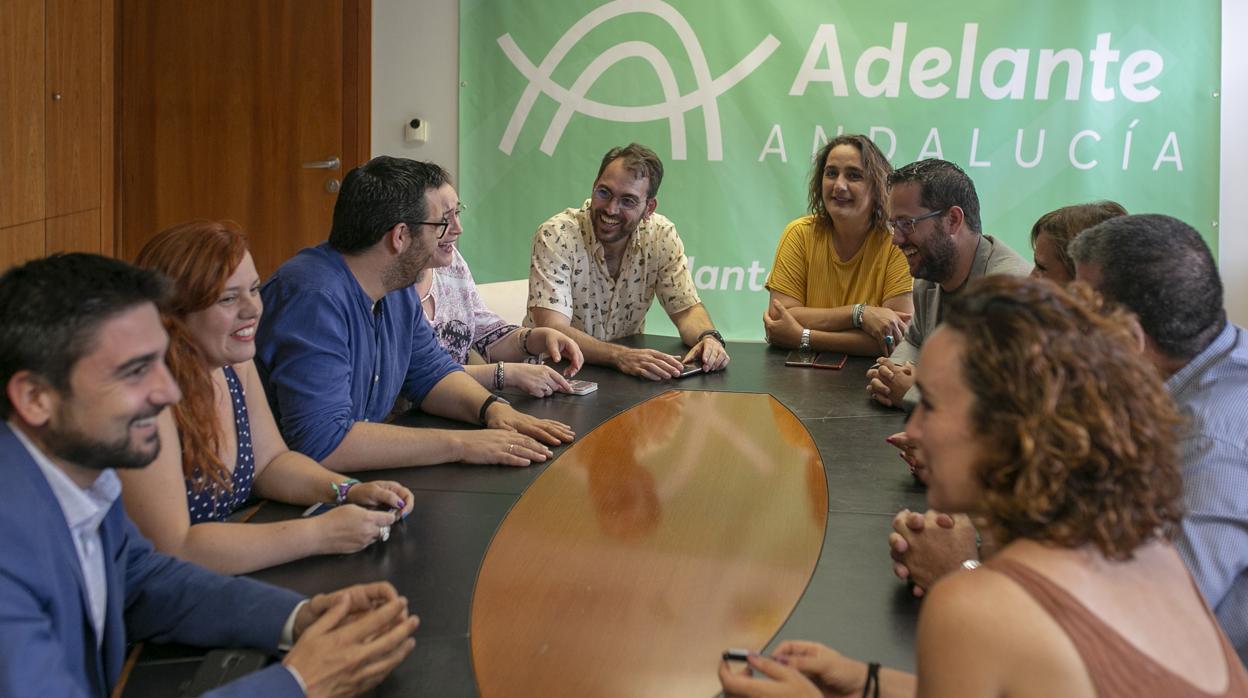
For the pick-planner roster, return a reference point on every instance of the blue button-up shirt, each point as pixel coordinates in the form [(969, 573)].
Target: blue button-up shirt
[(329, 358), (1212, 392)]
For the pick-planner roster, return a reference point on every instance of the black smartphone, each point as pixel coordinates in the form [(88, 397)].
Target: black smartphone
[(830, 359), (687, 370), (800, 357), (220, 667)]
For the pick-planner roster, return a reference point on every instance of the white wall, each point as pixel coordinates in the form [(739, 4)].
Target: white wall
[(1233, 219), (416, 73)]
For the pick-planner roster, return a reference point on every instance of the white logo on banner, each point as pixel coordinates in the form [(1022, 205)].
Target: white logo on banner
[(572, 101)]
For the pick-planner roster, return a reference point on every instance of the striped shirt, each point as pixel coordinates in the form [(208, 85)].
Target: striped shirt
[(1212, 392)]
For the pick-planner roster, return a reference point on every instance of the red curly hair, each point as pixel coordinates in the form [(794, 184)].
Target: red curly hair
[(1079, 434), (198, 256)]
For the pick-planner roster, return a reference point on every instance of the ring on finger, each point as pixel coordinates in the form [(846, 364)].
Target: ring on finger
[(383, 534), (510, 447)]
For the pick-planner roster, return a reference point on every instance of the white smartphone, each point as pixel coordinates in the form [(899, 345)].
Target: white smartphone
[(582, 387)]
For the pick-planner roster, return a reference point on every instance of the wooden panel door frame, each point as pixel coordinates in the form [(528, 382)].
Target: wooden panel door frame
[(357, 108)]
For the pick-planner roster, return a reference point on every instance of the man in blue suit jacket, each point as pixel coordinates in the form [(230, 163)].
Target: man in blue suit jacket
[(82, 365)]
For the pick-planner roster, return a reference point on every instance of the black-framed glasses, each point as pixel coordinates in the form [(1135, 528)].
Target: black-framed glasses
[(450, 217), (905, 226)]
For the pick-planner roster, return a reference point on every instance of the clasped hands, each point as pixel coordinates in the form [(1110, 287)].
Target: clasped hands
[(347, 641), (889, 382)]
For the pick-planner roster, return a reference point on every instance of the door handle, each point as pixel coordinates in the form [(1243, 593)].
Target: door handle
[(332, 163)]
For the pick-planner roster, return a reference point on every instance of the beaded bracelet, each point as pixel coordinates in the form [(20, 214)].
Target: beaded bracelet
[(524, 341), (498, 376)]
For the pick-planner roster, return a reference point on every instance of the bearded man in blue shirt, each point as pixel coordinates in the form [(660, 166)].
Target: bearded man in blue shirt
[(343, 336)]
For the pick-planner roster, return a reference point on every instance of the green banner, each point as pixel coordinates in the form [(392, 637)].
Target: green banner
[(1043, 104)]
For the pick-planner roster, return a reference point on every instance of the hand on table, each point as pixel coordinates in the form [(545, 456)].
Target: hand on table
[(889, 382), (548, 431), (910, 454), (535, 379), (355, 639), (648, 363), (710, 353), (383, 494), (500, 446), (350, 528), (882, 323), (781, 681), (926, 547), (558, 346), (780, 327)]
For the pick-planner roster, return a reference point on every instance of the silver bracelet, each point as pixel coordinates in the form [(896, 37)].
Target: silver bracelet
[(857, 316), (498, 376)]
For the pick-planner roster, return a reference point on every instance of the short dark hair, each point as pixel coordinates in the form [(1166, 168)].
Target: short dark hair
[(638, 160), (1159, 268), (1065, 223), (51, 308), (874, 165), (941, 184), (378, 195)]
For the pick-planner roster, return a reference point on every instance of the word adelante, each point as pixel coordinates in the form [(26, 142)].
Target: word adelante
[(1003, 73)]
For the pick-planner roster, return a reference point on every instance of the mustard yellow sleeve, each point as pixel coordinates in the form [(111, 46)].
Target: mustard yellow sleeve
[(897, 279), (788, 271)]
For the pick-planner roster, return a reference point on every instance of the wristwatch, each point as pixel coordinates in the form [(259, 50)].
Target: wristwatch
[(485, 406), (805, 343), (713, 333)]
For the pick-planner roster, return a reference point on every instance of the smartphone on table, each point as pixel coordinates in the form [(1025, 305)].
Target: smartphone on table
[(830, 359), (800, 357), (580, 387), (692, 368)]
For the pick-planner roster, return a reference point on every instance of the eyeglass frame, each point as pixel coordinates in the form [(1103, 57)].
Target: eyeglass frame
[(909, 223), (623, 199), (452, 215)]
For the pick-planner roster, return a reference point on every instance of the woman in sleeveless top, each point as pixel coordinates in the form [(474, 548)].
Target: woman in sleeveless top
[(1040, 422), (220, 444)]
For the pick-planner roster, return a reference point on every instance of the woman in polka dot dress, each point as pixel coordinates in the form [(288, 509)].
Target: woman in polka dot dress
[(220, 444)]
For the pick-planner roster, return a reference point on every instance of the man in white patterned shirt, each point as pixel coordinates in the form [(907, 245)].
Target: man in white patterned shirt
[(595, 270)]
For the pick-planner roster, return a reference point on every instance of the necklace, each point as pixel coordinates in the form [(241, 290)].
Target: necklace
[(427, 296)]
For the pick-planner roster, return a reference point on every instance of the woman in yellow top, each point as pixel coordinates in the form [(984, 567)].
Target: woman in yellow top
[(838, 283)]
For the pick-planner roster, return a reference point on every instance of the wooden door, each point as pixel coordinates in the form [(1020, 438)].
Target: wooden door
[(22, 95), (220, 104)]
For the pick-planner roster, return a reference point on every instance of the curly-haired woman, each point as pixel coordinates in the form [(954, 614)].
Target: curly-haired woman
[(1061, 445)]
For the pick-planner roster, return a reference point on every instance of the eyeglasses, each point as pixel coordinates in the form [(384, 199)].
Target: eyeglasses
[(450, 217), (628, 202), (905, 226)]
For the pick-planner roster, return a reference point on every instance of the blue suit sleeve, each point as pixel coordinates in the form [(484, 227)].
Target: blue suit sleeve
[(305, 361), (429, 363), (32, 660), (168, 600)]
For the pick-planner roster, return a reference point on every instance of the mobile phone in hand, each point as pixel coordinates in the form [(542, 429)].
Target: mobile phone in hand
[(582, 387), (830, 359), (690, 369), (799, 357)]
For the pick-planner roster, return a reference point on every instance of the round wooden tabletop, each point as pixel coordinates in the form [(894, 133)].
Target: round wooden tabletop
[(683, 526)]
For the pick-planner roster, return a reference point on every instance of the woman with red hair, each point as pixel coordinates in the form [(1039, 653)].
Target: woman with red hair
[(220, 444)]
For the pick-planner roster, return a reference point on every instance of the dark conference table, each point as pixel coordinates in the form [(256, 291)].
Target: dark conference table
[(852, 602)]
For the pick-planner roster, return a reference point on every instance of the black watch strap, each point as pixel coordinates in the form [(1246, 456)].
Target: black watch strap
[(485, 406), (713, 333)]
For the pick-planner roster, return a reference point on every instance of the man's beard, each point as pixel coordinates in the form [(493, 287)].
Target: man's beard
[(938, 256), (69, 444), (406, 268)]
